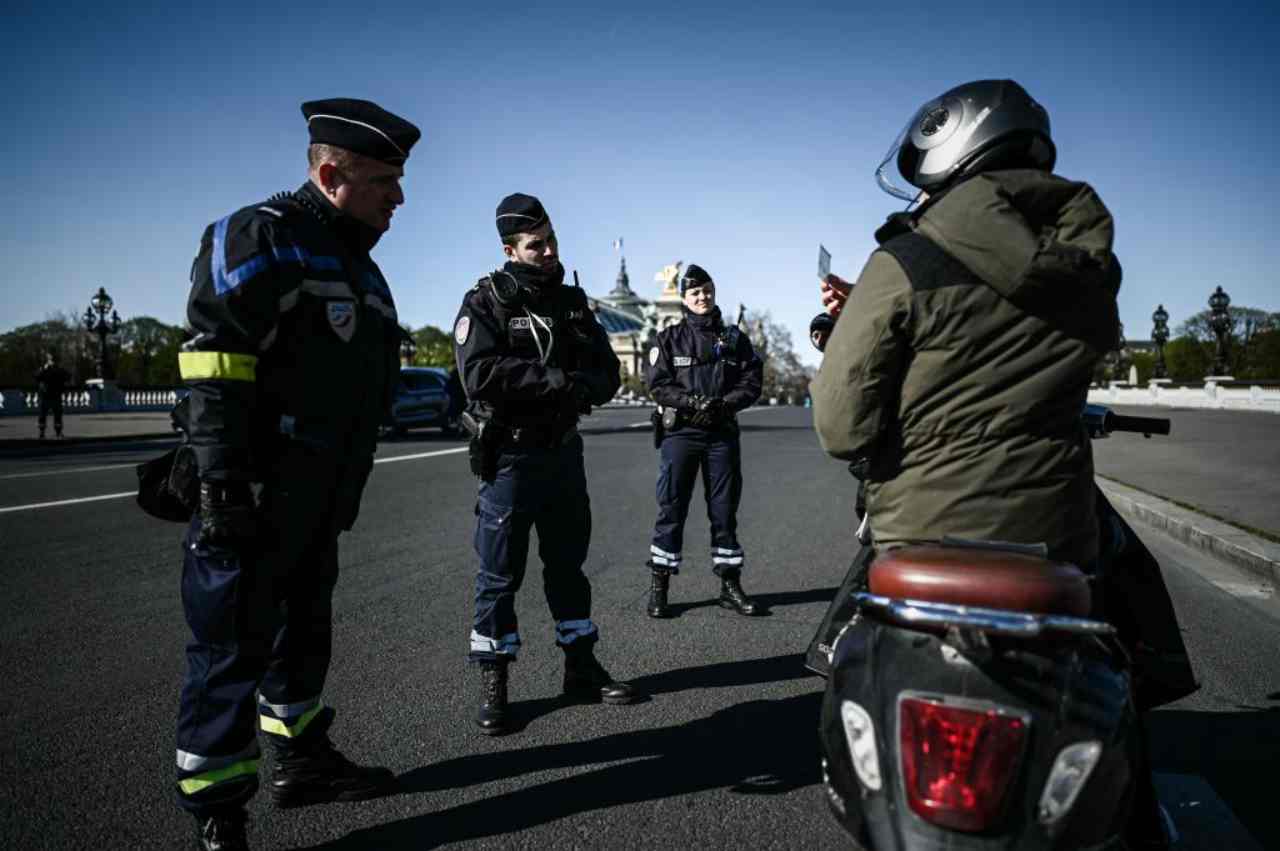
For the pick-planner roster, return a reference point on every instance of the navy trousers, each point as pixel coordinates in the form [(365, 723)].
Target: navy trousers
[(717, 455), (261, 636), (543, 489)]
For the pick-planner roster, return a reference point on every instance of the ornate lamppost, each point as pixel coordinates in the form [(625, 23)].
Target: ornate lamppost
[(1220, 324), (95, 322), (1160, 336)]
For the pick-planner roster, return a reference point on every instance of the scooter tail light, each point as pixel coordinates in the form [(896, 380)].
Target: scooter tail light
[(958, 761)]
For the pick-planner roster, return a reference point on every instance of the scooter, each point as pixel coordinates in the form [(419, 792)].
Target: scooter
[(982, 696)]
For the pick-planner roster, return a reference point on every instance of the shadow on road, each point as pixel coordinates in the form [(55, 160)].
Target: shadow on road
[(1235, 752), (766, 602), (761, 747)]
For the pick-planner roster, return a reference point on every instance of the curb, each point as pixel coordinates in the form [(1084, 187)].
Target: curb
[(1230, 543)]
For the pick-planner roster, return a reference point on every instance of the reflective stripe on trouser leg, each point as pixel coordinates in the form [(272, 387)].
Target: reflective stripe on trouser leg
[(507, 645), (289, 720), (727, 557), (659, 557), (567, 632), (196, 772)]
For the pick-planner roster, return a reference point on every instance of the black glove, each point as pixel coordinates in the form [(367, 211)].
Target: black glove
[(581, 387), (228, 515), (703, 415), (717, 411)]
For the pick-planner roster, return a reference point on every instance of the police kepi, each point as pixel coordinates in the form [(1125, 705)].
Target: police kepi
[(701, 373), (291, 370), (532, 359)]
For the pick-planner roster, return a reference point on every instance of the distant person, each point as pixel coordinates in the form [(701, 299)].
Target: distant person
[(820, 330), (292, 370), (702, 371), (51, 382), (532, 358)]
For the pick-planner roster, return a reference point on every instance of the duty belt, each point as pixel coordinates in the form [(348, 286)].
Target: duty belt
[(538, 437)]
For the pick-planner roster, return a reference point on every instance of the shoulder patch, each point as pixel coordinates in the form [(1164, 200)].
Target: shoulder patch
[(462, 330), (653, 356)]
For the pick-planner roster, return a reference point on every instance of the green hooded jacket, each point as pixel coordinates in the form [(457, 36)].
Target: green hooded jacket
[(964, 393)]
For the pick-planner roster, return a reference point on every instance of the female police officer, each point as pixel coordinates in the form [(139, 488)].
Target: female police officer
[(701, 373)]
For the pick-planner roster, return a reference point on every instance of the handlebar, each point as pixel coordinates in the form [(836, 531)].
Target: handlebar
[(1101, 421)]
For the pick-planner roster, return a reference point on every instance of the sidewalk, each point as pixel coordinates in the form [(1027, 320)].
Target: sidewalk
[(20, 432)]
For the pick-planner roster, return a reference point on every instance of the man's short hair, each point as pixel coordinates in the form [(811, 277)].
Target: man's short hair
[(319, 153), (512, 239)]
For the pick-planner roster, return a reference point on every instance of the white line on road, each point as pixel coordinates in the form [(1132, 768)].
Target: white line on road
[(454, 451), (66, 502), (1250, 590), (34, 506), (62, 472)]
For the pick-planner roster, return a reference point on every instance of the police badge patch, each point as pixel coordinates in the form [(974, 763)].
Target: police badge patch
[(653, 356), (342, 319), (462, 330)]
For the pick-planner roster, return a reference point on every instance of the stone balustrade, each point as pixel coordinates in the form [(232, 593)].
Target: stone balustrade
[(16, 401), (1223, 394)]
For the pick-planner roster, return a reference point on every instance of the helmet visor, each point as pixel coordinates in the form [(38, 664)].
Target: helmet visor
[(888, 176)]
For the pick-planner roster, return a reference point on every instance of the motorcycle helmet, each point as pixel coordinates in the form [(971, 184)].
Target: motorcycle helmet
[(980, 126)]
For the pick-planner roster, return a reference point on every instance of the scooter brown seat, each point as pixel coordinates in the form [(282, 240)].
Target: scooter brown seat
[(988, 578)]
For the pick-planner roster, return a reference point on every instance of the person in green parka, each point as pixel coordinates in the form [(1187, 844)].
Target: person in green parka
[(960, 362)]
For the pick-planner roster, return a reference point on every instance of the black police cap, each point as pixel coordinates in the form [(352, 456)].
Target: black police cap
[(694, 276), (519, 213), (360, 126), (822, 322)]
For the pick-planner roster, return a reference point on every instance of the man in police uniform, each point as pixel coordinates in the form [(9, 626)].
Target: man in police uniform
[(701, 373), (51, 382), (291, 370), (532, 358)]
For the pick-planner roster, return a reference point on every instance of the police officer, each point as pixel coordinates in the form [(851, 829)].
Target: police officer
[(291, 370), (701, 373), (532, 358), (51, 381)]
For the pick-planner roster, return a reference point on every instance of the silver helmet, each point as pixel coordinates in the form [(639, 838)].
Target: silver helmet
[(980, 126)]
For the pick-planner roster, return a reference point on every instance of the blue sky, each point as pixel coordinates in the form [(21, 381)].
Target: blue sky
[(727, 135)]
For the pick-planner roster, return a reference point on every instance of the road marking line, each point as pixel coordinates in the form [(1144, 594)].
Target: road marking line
[(132, 493), (63, 472), (66, 502), (420, 455)]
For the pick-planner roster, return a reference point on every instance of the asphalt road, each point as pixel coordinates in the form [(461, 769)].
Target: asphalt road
[(723, 755), (1232, 457)]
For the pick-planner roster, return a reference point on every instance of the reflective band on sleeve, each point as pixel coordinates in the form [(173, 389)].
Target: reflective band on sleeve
[(279, 728), (219, 366), (380, 306), (192, 785)]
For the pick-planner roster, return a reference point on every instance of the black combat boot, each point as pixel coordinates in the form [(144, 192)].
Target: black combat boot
[(733, 597), (586, 679), (223, 832), (492, 715), (42, 432), (658, 589), (310, 770)]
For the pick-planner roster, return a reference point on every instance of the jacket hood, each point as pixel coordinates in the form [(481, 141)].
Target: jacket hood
[(1041, 241)]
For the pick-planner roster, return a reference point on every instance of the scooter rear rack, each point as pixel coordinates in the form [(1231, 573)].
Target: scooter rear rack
[(920, 613)]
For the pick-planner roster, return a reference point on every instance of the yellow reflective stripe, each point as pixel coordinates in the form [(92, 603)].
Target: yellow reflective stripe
[(225, 366), (203, 781), (275, 725)]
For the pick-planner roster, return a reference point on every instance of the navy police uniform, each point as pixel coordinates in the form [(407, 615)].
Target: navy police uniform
[(698, 359), (291, 371), (531, 356), (51, 382)]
